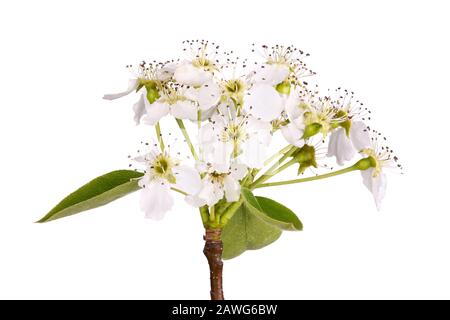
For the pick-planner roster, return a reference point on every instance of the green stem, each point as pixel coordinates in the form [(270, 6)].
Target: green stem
[(186, 137), (228, 214), (284, 150), (284, 166), (159, 136), (204, 214), (274, 169), (212, 214), (322, 176), (179, 191)]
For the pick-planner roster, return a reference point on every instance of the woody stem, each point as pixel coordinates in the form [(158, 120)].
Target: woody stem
[(213, 252)]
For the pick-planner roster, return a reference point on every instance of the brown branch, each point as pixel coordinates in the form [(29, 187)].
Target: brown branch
[(213, 252)]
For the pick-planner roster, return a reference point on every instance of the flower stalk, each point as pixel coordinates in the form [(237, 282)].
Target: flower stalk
[(187, 138), (362, 164), (159, 136), (276, 168)]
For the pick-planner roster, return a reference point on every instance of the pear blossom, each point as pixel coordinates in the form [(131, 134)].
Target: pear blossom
[(382, 158), (345, 147), (238, 106), (271, 74), (228, 137), (148, 78), (281, 63), (237, 111), (163, 172), (293, 131), (181, 102), (199, 69), (352, 134), (263, 102), (173, 101), (219, 182), (206, 96), (193, 75)]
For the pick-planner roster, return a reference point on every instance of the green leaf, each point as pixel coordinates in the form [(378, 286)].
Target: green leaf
[(246, 231), (272, 212), (96, 193), (279, 212)]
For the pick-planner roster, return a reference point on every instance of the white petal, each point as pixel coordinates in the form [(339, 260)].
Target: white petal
[(166, 72), (156, 200), (184, 109), (379, 189), (254, 153), (264, 102), (376, 185), (206, 134), (227, 108), (221, 157), (139, 109), (238, 170), (232, 189), (332, 145), (195, 201), (292, 106), (206, 114), (262, 130), (189, 75), (155, 111), (359, 135), (150, 156), (271, 74), (132, 85), (145, 180), (340, 146), (206, 96), (187, 179), (293, 134), (211, 193)]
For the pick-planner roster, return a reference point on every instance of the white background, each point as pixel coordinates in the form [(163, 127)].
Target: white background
[(57, 59)]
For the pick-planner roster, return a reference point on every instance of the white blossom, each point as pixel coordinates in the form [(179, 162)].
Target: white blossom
[(162, 172), (294, 130), (345, 147), (226, 138), (374, 178), (147, 77), (219, 182)]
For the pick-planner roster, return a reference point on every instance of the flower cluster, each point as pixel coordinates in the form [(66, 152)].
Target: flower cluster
[(238, 106)]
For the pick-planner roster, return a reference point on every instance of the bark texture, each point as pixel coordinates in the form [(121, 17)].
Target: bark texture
[(213, 252)]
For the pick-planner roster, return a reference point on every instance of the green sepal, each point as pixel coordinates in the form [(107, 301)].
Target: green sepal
[(311, 130), (284, 87), (151, 87), (365, 163), (306, 157), (346, 125), (152, 94)]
